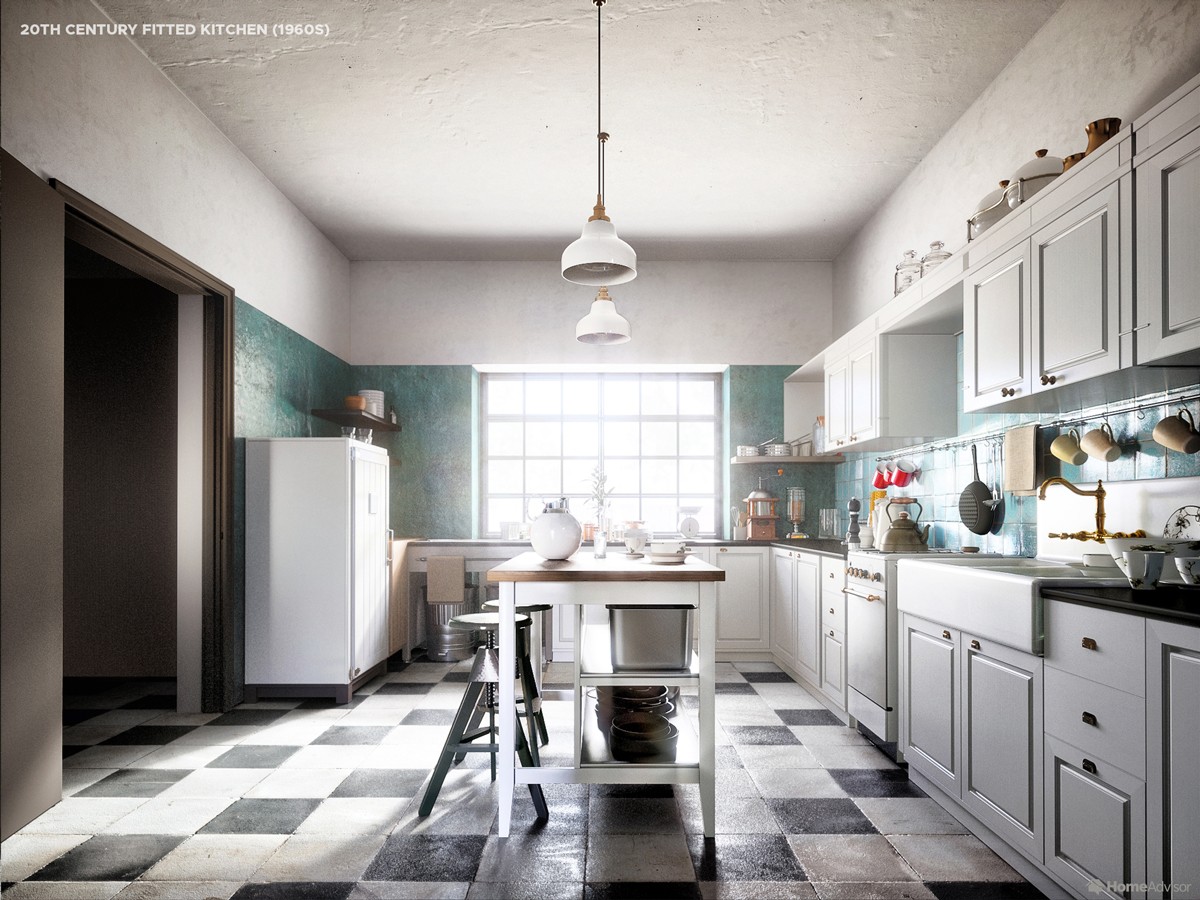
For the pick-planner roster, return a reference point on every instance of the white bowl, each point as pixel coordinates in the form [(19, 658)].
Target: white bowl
[(1170, 546), (1189, 568)]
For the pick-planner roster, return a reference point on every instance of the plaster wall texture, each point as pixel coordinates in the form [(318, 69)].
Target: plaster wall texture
[(98, 116), (1092, 59), (465, 313)]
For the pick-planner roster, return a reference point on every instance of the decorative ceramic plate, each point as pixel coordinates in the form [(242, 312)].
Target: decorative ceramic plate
[(1183, 523)]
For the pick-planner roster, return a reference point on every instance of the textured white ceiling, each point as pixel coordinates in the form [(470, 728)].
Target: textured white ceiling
[(450, 130)]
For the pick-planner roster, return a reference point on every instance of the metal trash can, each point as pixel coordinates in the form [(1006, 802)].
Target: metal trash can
[(443, 643), (650, 637)]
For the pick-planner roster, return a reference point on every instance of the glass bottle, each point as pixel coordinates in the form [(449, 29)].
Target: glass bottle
[(934, 258), (908, 270)]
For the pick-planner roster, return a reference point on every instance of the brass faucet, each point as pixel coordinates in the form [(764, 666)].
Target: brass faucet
[(1099, 534)]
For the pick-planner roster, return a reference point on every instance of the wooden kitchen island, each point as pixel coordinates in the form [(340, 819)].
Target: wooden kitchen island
[(585, 581)]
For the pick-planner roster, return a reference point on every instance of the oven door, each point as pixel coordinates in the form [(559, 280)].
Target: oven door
[(867, 644)]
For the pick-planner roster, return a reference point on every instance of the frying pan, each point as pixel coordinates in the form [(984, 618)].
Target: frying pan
[(972, 502)]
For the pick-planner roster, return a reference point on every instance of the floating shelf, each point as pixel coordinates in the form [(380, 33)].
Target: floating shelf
[(788, 460), (355, 418)]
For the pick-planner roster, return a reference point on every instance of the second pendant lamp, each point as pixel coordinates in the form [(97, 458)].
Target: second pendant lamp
[(599, 257)]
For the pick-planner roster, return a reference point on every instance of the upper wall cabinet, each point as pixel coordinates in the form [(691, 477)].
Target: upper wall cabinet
[(1167, 169), (888, 390), (1045, 313)]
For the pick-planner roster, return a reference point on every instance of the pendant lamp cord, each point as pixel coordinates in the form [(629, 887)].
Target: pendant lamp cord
[(601, 136)]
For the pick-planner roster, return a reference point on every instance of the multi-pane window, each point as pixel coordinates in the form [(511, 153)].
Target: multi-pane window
[(656, 436)]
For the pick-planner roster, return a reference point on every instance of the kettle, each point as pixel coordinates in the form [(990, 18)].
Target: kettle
[(903, 535)]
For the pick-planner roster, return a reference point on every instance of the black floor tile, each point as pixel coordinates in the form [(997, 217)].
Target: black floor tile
[(294, 890), (261, 816), (568, 804), (75, 716), (72, 749), (134, 783), (353, 734), (984, 890), (733, 687), (253, 756), (457, 677), (809, 717), (330, 703), (427, 857), (405, 687), (150, 734), (758, 677), (249, 717), (381, 783), (153, 701), (109, 857), (761, 734), (876, 782), (744, 857), (632, 790), (641, 890), (429, 717), (819, 815), (555, 686)]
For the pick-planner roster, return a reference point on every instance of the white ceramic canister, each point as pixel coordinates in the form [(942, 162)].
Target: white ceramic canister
[(555, 534)]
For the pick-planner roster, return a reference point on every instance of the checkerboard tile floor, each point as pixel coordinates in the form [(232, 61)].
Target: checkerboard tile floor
[(306, 800)]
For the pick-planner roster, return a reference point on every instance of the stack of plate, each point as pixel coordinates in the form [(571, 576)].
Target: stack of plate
[(668, 558), (747, 450), (374, 402), (779, 450)]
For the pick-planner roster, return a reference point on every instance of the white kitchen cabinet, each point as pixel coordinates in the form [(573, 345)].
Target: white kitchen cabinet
[(890, 390), (743, 609), (1045, 313), (317, 561), (1167, 173), (833, 630), (1001, 715), (783, 606), (796, 635), (833, 665), (1173, 754), (929, 701)]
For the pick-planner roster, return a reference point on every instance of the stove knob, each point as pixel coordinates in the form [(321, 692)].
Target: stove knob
[(878, 576)]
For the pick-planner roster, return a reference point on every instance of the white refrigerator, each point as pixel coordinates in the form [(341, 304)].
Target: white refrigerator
[(317, 566)]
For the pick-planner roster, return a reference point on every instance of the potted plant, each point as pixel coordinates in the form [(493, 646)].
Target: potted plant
[(599, 500)]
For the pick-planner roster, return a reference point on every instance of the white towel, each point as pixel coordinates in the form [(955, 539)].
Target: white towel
[(1021, 460), (445, 579)]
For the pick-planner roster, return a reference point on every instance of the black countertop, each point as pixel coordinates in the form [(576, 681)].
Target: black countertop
[(1176, 602)]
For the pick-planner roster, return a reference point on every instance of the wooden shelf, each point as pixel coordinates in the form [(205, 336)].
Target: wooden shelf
[(788, 460), (355, 418)]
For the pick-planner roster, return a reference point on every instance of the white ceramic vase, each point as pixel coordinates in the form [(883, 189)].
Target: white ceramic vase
[(555, 534)]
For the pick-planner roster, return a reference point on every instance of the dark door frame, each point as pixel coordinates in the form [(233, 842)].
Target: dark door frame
[(112, 237)]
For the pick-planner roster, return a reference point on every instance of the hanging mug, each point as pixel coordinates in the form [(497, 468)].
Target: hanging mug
[(1100, 443), (1178, 432), (1066, 447)]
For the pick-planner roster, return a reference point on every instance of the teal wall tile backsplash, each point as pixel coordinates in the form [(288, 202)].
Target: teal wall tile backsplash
[(755, 414)]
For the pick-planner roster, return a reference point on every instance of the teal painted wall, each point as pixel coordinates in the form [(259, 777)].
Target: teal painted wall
[(944, 473), (755, 414)]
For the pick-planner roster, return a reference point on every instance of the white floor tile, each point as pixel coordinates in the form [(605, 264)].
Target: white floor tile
[(82, 815), (180, 890), (354, 815), (796, 783), (299, 783), (216, 734), (329, 756), (215, 783), (292, 733), (777, 756), (75, 780), (113, 756), (183, 815), (311, 857), (64, 890), (24, 853), (180, 756), (216, 857), (835, 756), (908, 815)]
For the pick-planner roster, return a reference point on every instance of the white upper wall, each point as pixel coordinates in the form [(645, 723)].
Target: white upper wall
[(1092, 59), (94, 113), (738, 313)]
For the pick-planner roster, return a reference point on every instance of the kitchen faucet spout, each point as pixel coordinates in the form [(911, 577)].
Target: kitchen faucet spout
[(1100, 533)]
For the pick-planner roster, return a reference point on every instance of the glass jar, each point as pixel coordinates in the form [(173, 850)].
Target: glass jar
[(908, 270), (935, 257)]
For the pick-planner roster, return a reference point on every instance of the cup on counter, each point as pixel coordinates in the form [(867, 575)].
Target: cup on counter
[(1144, 568), (881, 479), (829, 524), (1100, 443), (1189, 568), (510, 531), (1178, 433), (1066, 447), (906, 470), (741, 532)]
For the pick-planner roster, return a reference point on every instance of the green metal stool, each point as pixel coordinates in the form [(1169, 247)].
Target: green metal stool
[(464, 731), (526, 671)]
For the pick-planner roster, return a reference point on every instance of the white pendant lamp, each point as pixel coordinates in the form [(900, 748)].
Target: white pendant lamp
[(603, 325), (599, 257)]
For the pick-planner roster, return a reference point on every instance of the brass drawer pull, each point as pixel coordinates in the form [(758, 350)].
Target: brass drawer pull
[(945, 634), (1089, 766), (1088, 718), (1089, 643), (975, 645)]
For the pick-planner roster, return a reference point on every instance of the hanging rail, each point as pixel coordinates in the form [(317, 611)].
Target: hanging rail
[(1181, 397)]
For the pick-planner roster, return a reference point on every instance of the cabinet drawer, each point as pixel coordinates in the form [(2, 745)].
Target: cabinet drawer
[(833, 575), (1100, 720), (1097, 644), (833, 610)]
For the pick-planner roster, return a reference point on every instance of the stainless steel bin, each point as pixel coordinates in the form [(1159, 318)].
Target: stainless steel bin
[(650, 638)]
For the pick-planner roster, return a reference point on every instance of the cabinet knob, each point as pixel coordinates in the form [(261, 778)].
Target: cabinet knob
[(1088, 718), (871, 598), (1049, 379), (1089, 643), (1089, 766), (831, 632), (831, 574), (831, 610), (853, 438), (945, 634), (724, 549), (1007, 392), (975, 645)]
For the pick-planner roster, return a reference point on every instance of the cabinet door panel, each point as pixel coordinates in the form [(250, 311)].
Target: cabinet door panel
[(929, 702), (862, 394), (741, 599), (833, 665), (837, 399), (995, 326), (808, 617), (369, 572), (783, 607), (1095, 820), (1002, 742)]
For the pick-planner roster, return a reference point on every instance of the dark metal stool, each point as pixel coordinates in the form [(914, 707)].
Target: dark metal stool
[(525, 672), (464, 731)]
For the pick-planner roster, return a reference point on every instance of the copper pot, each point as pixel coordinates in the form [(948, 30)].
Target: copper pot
[(1100, 131), (1069, 161)]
